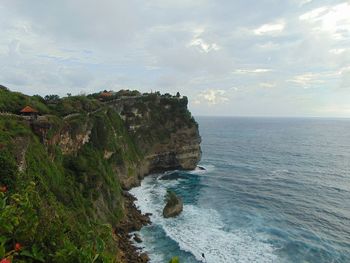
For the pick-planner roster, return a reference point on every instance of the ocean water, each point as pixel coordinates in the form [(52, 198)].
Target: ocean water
[(274, 190)]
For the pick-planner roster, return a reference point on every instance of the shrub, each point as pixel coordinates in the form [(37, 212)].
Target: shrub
[(8, 169), (174, 260), (19, 221)]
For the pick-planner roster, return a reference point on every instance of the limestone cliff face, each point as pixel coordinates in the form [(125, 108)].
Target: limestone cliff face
[(120, 143), (160, 127), (72, 143), (82, 152), (67, 136), (164, 130), (182, 151)]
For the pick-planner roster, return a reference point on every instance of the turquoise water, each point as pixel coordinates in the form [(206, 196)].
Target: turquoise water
[(275, 190)]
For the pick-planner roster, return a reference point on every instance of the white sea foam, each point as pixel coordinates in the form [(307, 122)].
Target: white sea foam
[(198, 230), (199, 171)]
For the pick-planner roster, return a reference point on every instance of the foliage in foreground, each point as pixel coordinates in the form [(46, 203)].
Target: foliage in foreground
[(44, 215), (174, 260), (30, 235)]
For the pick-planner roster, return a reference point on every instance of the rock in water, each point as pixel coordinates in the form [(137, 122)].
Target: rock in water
[(173, 205), (201, 168), (144, 258), (137, 238), (173, 176)]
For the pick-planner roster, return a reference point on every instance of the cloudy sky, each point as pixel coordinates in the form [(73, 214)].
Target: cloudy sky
[(242, 58)]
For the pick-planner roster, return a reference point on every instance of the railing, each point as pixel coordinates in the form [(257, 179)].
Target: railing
[(6, 113)]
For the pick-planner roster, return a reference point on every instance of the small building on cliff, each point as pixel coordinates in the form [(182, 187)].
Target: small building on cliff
[(106, 95), (29, 113)]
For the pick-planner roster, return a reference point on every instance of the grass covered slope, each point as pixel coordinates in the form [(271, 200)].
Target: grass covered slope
[(61, 175), (48, 207)]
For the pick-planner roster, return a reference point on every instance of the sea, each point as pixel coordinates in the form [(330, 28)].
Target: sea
[(273, 190)]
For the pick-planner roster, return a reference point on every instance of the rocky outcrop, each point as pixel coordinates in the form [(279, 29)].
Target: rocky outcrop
[(161, 127), (20, 148), (164, 128), (137, 238), (68, 136), (133, 221), (174, 205), (135, 136), (72, 143), (83, 152), (182, 151)]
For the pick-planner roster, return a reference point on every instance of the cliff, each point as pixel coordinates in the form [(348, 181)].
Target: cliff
[(70, 166)]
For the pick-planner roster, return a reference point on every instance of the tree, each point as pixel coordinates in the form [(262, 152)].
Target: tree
[(178, 95), (52, 98), (4, 88)]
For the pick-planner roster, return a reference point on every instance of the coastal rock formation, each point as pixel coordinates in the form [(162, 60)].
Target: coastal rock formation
[(78, 158), (133, 221), (174, 205), (137, 238), (163, 127)]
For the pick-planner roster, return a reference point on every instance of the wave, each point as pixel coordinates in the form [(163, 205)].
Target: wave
[(199, 230), (202, 169)]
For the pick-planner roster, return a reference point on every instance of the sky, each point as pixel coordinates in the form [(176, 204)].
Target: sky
[(229, 57)]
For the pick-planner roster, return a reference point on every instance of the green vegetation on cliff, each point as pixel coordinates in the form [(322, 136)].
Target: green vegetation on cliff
[(61, 175), (48, 207)]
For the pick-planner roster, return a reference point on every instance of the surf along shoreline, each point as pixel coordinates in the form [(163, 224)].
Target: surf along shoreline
[(133, 222)]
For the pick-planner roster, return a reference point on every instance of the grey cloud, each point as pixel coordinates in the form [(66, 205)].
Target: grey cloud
[(189, 46), (102, 22)]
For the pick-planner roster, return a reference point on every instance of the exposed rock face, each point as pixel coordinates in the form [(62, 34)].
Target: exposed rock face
[(136, 136), (133, 221), (84, 151), (21, 145), (173, 207), (72, 143), (137, 238), (168, 140), (182, 151), (163, 128), (69, 140)]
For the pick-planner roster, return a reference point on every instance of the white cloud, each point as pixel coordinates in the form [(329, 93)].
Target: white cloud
[(181, 4), (337, 51), (212, 97), (196, 102), (304, 2), (314, 14), (345, 77), (307, 79), (267, 85), (335, 20), (268, 45), (234, 89), (336, 110), (252, 71), (186, 46), (202, 45), (270, 29), (343, 70)]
